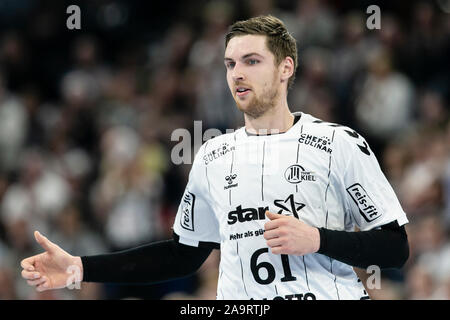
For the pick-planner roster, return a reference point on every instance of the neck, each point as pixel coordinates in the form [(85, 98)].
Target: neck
[(275, 120)]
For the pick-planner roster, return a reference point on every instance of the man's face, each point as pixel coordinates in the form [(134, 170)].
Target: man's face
[(252, 76)]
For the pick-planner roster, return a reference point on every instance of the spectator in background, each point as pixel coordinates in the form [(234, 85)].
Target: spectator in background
[(36, 198), (7, 290), (434, 255), (419, 284), (73, 234), (428, 153), (7, 277), (432, 110), (315, 24), (385, 99), (426, 47), (127, 195), (313, 92), (13, 127), (15, 60), (446, 181), (348, 61), (206, 56)]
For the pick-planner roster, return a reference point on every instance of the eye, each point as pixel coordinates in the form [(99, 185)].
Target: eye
[(229, 64), (252, 61)]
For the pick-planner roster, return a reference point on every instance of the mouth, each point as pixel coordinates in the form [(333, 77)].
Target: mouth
[(242, 91)]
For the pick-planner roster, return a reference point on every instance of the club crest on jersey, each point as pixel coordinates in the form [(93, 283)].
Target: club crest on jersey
[(296, 174), (230, 179), (222, 150), (365, 204), (187, 209), (321, 143)]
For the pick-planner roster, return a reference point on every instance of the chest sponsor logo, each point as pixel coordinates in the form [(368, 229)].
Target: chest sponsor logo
[(293, 296), (366, 206), (246, 214), (187, 207), (287, 206), (217, 153), (296, 174), (321, 143), (230, 181)]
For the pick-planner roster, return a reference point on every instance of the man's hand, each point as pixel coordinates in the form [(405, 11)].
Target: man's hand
[(288, 235), (52, 269)]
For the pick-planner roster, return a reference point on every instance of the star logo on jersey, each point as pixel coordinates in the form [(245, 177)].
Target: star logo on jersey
[(289, 205)]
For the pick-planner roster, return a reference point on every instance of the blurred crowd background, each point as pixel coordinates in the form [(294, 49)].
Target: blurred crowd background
[(86, 118)]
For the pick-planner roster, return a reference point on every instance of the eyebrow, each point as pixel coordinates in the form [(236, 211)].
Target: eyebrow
[(245, 56)]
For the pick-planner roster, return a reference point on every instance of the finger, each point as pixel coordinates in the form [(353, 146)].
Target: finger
[(271, 225), (277, 242), (36, 282), (43, 286), (271, 234), (277, 250), (27, 264), (43, 241), (273, 216), (30, 275)]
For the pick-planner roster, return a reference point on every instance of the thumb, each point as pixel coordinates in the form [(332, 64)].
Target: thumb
[(273, 216), (43, 241)]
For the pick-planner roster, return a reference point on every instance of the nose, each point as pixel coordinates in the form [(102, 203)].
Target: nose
[(237, 74)]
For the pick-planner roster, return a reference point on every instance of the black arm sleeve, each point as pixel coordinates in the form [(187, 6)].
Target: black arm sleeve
[(386, 247), (150, 263)]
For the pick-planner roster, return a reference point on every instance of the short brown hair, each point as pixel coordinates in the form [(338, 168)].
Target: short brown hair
[(279, 41)]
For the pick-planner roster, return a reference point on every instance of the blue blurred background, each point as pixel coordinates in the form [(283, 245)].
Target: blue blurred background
[(86, 118)]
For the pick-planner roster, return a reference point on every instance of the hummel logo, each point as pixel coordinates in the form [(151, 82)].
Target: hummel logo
[(230, 180)]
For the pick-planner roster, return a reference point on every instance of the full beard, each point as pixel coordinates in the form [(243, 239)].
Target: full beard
[(258, 106)]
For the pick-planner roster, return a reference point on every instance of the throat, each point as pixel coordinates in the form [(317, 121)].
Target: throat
[(271, 125)]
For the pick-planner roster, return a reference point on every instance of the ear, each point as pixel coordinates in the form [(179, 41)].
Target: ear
[(286, 68)]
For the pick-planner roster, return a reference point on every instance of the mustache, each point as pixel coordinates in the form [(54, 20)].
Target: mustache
[(240, 84)]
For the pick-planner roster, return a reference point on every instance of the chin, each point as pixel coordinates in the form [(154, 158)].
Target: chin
[(243, 106), (252, 110)]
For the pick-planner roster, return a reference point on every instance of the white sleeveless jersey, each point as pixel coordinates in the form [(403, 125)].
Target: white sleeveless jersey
[(321, 173)]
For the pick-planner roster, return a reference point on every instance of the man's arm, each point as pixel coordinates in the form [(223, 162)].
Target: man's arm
[(154, 262), (150, 263), (386, 247)]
